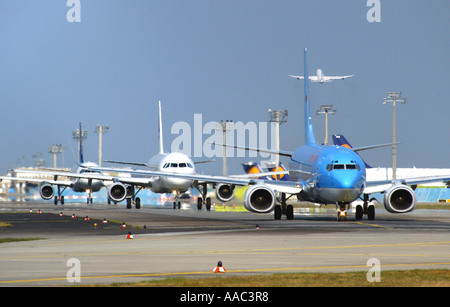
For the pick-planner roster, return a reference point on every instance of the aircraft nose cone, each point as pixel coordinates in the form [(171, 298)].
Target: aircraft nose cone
[(350, 186)]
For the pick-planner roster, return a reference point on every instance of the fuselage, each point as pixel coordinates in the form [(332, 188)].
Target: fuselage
[(329, 174), (84, 184), (171, 163)]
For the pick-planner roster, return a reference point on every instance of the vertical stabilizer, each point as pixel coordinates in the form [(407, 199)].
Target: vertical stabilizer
[(309, 133), (160, 133), (80, 146)]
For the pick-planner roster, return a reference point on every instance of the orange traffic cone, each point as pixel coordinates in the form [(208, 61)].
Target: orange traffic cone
[(219, 268), (124, 225), (130, 236), (86, 218)]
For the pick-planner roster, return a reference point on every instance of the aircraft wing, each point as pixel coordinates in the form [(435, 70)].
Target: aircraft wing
[(383, 185), (279, 186), (280, 152), (328, 78), (312, 78), (95, 176), (297, 77), (67, 183)]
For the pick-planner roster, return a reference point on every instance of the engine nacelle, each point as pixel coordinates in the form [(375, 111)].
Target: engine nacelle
[(224, 192), (117, 192), (47, 191), (260, 199), (399, 199)]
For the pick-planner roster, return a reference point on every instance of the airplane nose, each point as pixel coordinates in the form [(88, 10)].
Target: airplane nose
[(350, 186)]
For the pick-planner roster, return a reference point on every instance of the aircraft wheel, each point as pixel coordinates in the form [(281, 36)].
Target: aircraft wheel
[(138, 203), (208, 204), (128, 203), (199, 203), (277, 213), (359, 213), (371, 213), (56, 200), (290, 212)]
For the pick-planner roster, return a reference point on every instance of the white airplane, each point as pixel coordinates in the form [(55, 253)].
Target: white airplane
[(86, 178), (76, 183), (321, 78)]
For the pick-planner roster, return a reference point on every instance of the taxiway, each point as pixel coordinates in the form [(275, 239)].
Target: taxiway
[(190, 243)]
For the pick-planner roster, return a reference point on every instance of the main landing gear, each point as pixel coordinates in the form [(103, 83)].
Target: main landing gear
[(284, 209), (365, 209), (132, 199), (60, 197), (203, 200)]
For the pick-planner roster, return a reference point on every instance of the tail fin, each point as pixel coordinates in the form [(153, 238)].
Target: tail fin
[(283, 177), (80, 146), (160, 133), (251, 168), (340, 140), (309, 133)]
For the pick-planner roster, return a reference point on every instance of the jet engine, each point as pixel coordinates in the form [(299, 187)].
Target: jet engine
[(399, 199), (47, 191), (259, 198), (117, 192), (224, 192)]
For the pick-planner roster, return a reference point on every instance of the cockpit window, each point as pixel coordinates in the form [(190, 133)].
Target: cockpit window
[(182, 165), (343, 166)]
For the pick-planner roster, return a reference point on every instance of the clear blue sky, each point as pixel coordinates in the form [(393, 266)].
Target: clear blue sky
[(225, 60)]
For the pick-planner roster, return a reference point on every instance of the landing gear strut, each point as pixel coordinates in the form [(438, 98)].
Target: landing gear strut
[(202, 188), (132, 199), (60, 197)]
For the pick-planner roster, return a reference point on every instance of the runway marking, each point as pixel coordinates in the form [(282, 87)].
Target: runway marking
[(211, 272), (281, 250), (373, 225)]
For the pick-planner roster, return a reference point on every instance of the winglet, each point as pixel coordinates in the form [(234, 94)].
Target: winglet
[(160, 133), (309, 133)]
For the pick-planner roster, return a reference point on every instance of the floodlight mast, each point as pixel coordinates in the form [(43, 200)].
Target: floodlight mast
[(55, 149), (326, 109), (101, 129), (224, 126), (277, 117), (394, 97)]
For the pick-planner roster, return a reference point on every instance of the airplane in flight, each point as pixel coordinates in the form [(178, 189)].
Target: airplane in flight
[(75, 182), (324, 174), (321, 78)]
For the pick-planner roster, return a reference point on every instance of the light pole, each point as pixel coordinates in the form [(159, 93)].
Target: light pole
[(394, 97), (55, 149), (100, 130), (277, 117), (224, 126), (326, 109)]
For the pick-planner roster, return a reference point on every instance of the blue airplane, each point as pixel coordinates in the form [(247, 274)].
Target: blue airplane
[(325, 174)]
